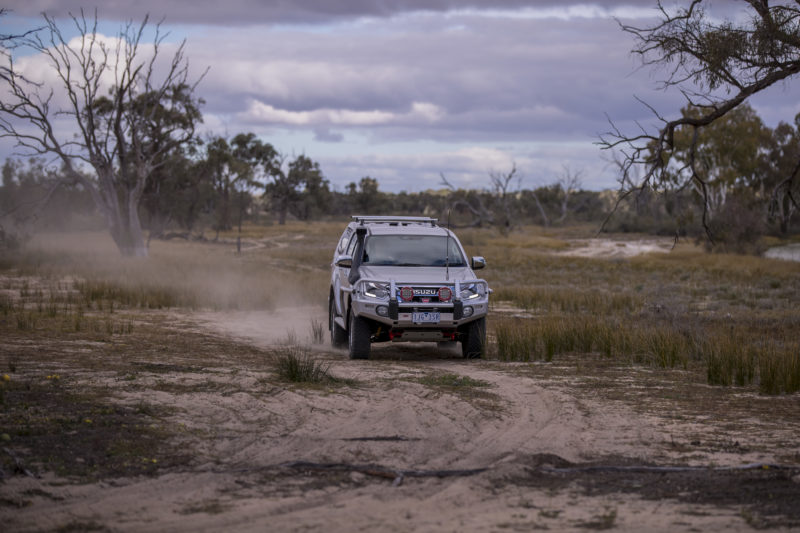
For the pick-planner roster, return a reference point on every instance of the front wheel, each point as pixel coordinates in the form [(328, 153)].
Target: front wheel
[(473, 342), (338, 334), (359, 338)]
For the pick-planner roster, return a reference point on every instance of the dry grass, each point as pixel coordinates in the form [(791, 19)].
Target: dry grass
[(295, 364), (182, 274), (735, 316)]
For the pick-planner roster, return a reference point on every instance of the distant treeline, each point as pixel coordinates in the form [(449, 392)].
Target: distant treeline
[(222, 183), (194, 197), (192, 200)]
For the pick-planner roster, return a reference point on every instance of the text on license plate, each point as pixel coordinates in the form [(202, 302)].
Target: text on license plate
[(425, 317)]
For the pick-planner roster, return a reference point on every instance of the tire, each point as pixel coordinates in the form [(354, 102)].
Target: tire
[(474, 341), (338, 334), (359, 338)]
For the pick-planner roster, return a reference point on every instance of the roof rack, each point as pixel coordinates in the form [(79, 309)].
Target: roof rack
[(403, 221)]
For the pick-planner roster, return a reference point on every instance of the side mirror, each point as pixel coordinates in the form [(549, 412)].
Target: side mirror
[(345, 261), (478, 262)]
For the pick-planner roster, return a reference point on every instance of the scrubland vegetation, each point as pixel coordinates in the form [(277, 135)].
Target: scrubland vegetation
[(730, 318), (733, 317)]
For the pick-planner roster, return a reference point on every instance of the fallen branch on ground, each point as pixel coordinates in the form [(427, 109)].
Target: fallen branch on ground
[(19, 466), (649, 468), (381, 471)]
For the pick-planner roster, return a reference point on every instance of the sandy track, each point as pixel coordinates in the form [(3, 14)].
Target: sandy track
[(242, 427), (442, 430)]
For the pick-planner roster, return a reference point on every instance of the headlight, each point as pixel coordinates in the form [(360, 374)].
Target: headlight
[(375, 290), (471, 291)]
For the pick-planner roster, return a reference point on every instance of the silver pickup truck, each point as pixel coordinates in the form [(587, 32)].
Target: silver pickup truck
[(405, 279)]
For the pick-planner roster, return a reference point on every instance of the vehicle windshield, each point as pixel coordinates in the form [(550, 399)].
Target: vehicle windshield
[(412, 250)]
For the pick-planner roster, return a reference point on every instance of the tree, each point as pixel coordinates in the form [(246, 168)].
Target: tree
[(717, 65), (127, 112), (249, 164), (228, 174), (781, 173), (493, 207), (727, 155), (255, 162), (503, 195), (568, 184), (315, 193), (282, 187), (178, 193), (365, 198), (29, 185)]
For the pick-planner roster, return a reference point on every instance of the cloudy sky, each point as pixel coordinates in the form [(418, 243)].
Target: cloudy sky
[(403, 90)]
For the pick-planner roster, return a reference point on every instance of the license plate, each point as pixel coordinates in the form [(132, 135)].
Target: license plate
[(426, 317)]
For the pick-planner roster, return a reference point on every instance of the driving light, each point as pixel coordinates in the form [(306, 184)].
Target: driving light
[(406, 294), (445, 294), (468, 311)]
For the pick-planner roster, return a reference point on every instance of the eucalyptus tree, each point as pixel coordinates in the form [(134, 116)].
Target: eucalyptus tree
[(717, 64), (781, 173), (315, 193), (727, 156), (112, 105)]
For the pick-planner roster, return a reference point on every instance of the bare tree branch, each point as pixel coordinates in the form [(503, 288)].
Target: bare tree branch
[(704, 58), (124, 129)]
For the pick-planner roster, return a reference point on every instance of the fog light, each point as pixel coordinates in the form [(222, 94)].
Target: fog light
[(382, 310), (468, 310), (407, 294), (445, 294)]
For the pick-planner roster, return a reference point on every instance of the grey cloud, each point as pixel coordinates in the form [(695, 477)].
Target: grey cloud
[(249, 12), (455, 79), (502, 78)]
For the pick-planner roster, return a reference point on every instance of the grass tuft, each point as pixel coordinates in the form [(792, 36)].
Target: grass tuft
[(779, 368), (317, 331), (294, 364)]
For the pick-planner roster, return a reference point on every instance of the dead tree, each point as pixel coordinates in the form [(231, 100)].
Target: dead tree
[(126, 109), (468, 201), (503, 193), (704, 58), (568, 183), (545, 220)]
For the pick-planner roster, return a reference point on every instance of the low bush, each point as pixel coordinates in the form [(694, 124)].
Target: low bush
[(294, 364)]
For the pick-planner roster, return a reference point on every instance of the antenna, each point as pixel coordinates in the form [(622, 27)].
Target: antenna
[(447, 250)]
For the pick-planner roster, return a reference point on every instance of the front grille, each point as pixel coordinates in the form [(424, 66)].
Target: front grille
[(426, 295)]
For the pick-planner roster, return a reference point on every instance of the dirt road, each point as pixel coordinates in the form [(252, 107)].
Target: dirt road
[(417, 439)]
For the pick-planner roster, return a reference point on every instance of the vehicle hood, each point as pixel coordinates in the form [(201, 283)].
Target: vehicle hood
[(415, 274)]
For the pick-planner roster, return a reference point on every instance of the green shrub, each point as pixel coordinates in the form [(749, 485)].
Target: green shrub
[(293, 364)]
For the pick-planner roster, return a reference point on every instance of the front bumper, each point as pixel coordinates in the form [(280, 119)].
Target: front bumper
[(401, 314)]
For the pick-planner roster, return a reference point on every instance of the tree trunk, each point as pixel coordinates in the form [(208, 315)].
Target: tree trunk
[(282, 214), (129, 240), (545, 222)]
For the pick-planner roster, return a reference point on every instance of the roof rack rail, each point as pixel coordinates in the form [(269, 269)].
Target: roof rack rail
[(394, 220)]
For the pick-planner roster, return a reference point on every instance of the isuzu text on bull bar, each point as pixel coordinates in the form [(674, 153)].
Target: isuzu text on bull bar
[(405, 279)]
